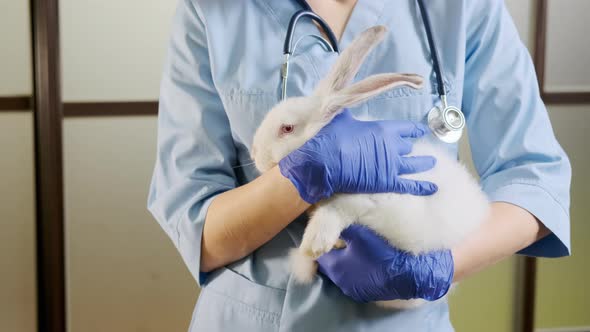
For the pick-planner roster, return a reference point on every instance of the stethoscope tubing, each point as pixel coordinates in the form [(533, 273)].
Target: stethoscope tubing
[(288, 47), (442, 120), (433, 49), (308, 11)]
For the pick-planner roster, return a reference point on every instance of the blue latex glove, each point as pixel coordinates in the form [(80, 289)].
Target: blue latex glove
[(353, 156), (370, 269)]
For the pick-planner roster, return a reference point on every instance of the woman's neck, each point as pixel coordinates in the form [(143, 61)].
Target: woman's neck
[(335, 12)]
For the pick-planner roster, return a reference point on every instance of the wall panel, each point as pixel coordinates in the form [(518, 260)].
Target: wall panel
[(17, 221), (113, 50), (18, 288), (15, 64), (568, 46), (485, 302), (563, 290), (124, 274), (521, 11)]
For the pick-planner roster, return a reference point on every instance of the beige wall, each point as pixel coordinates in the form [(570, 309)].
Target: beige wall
[(123, 272), (17, 222), (568, 45), (17, 185), (112, 49), (522, 14), (15, 55), (563, 290)]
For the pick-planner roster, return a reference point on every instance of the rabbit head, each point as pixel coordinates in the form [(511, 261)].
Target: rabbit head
[(295, 120)]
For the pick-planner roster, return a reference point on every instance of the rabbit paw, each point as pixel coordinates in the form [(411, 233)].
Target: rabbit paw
[(340, 244), (322, 234), (319, 244)]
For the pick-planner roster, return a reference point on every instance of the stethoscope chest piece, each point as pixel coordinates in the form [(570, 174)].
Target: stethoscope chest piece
[(447, 123)]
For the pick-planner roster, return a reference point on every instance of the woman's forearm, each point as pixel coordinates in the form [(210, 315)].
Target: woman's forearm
[(241, 220), (508, 230)]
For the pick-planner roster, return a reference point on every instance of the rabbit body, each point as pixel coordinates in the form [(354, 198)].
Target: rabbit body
[(415, 224)]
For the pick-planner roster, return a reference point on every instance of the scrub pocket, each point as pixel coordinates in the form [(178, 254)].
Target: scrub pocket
[(398, 106), (231, 302), (405, 103)]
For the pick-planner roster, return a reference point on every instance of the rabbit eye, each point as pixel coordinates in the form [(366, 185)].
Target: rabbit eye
[(287, 129)]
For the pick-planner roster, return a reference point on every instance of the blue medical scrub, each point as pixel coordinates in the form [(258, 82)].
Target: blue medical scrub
[(222, 75)]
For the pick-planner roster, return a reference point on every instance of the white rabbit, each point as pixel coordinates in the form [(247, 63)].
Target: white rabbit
[(412, 223)]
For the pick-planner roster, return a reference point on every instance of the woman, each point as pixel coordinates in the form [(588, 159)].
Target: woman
[(234, 227)]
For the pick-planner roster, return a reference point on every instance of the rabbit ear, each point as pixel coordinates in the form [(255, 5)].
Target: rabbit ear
[(369, 87), (350, 60)]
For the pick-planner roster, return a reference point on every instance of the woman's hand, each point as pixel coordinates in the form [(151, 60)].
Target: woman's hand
[(354, 156), (370, 269)]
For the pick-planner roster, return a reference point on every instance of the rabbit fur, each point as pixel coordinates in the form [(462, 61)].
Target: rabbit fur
[(416, 224)]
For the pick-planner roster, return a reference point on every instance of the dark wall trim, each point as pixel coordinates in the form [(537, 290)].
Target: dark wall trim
[(16, 103), (85, 109), (528, 294), (559, 98), (555, 98), (110, 109), (540, 32), (51, 297)]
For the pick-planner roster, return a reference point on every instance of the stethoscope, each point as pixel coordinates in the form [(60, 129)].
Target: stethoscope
[(446, 122)]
